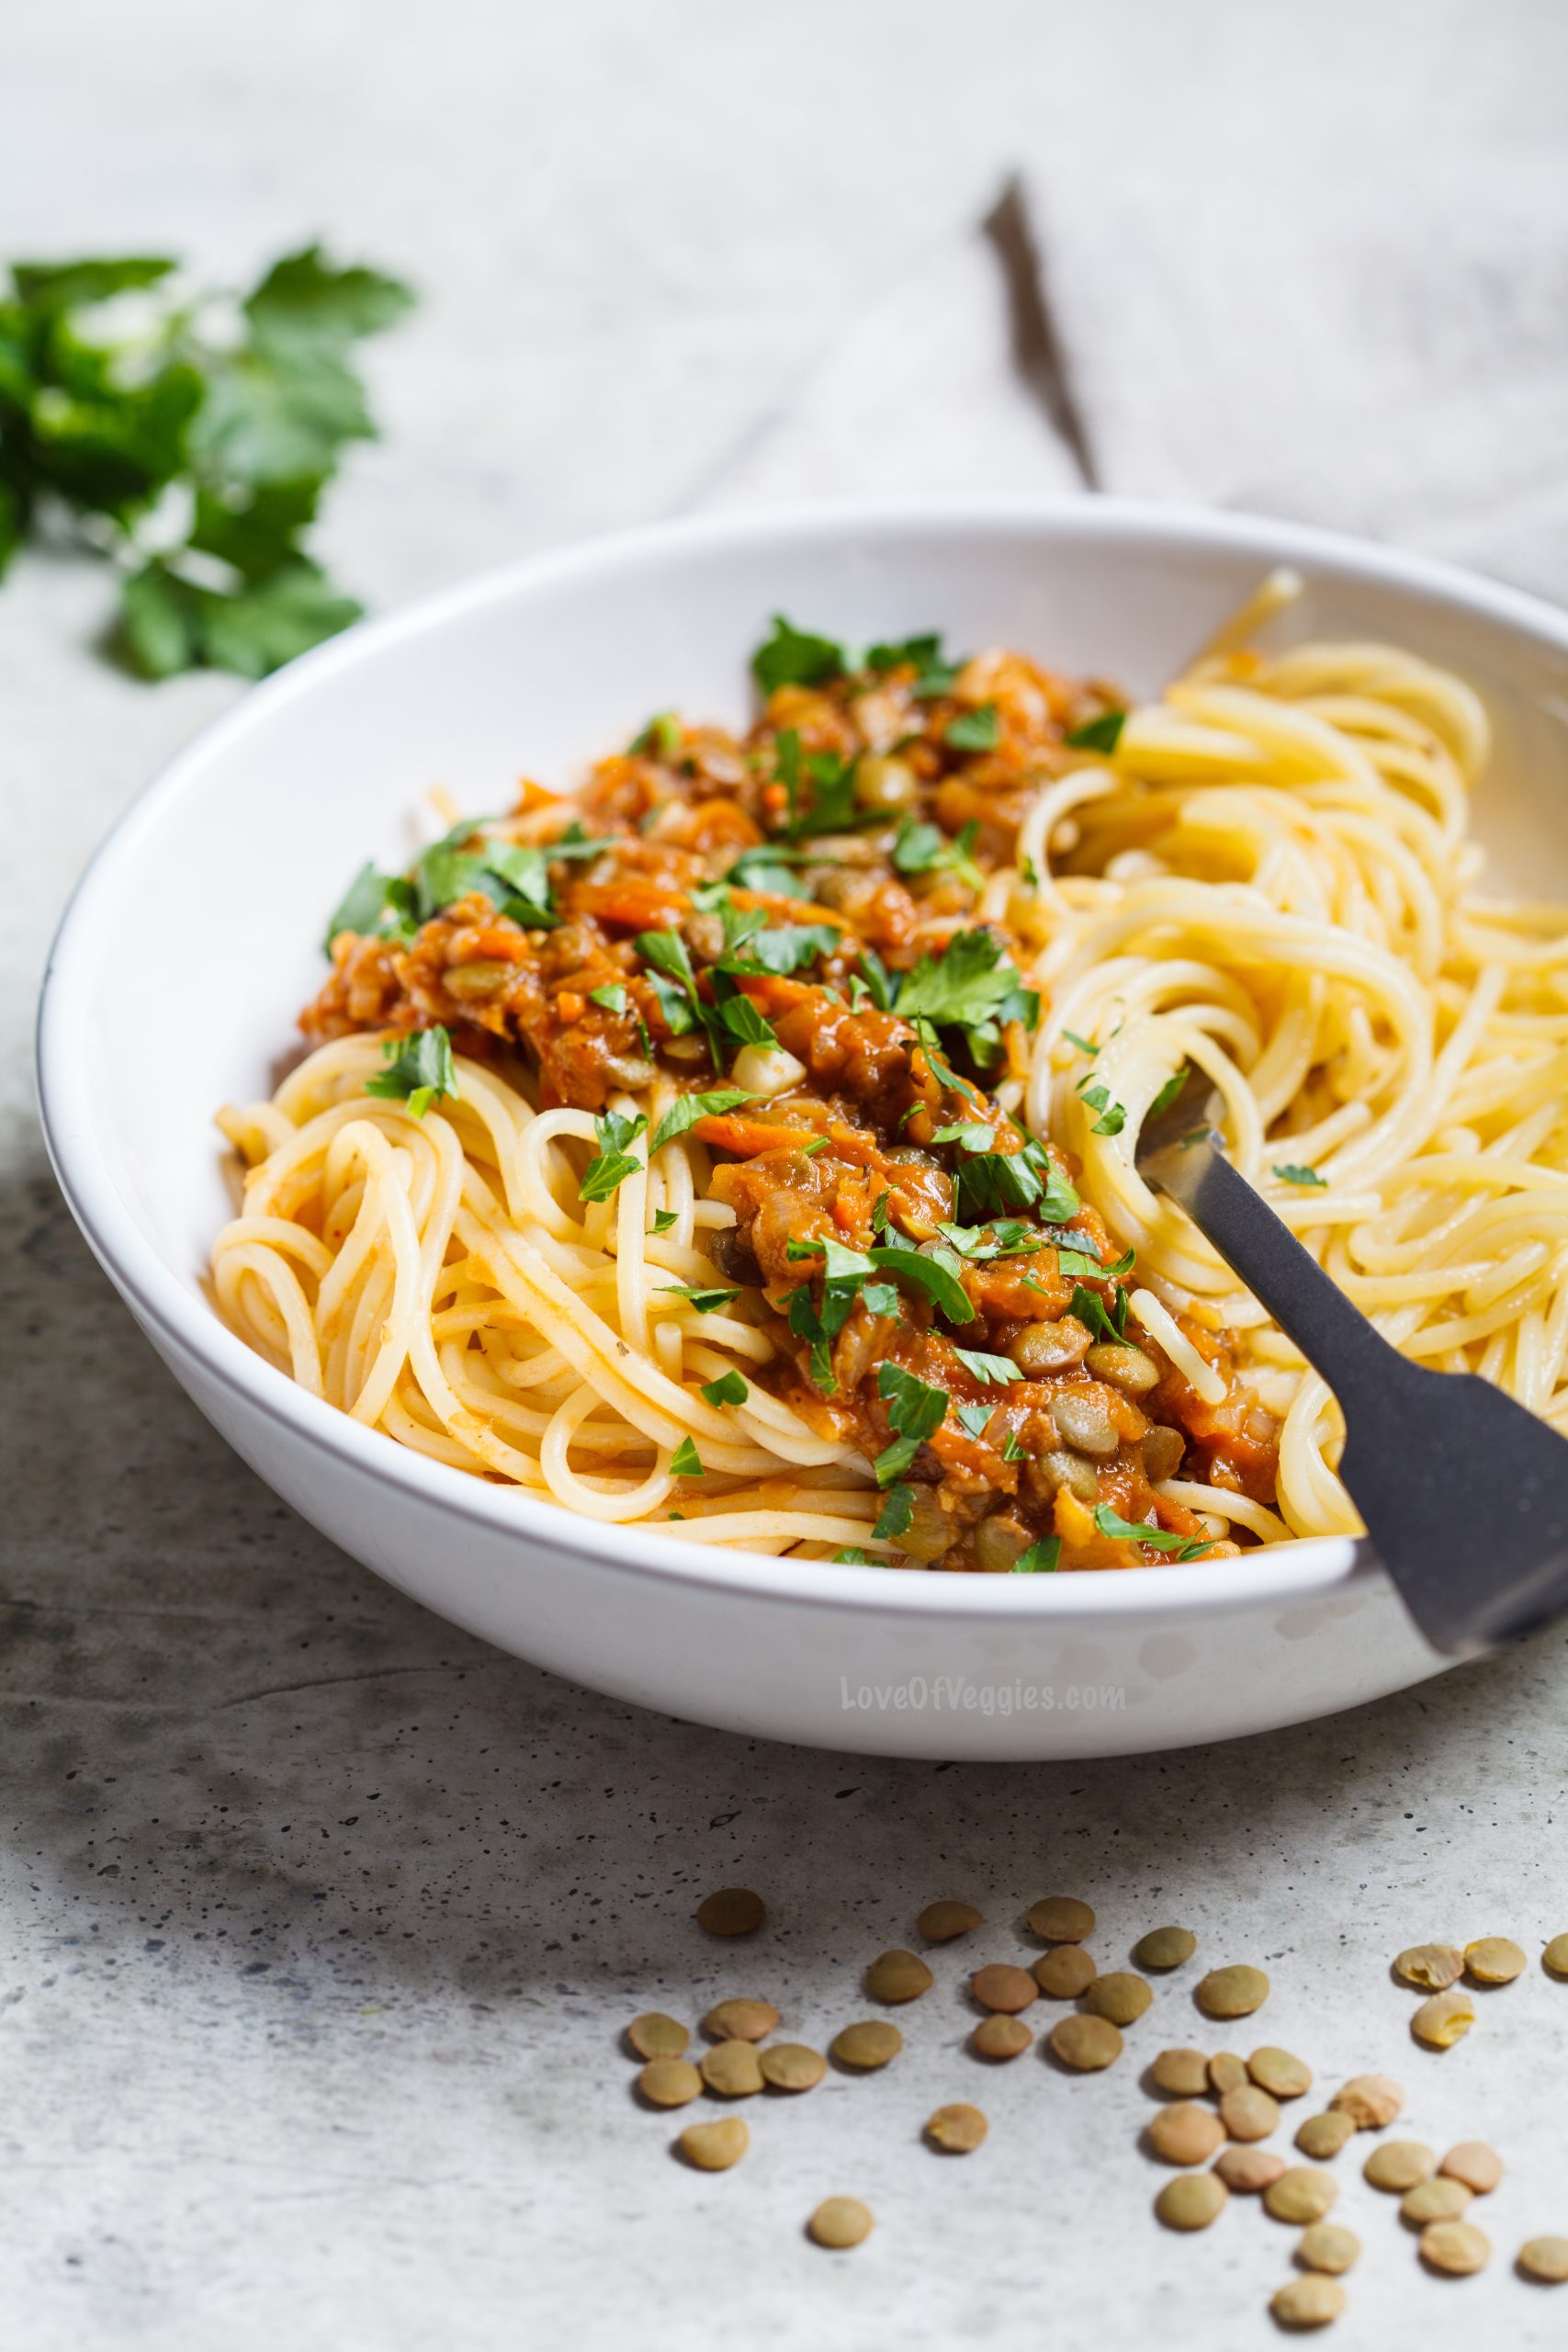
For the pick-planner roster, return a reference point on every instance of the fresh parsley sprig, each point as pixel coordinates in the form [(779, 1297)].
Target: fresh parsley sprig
[(614, 1160), (419, 1070), (190, 435), (916, 1410)]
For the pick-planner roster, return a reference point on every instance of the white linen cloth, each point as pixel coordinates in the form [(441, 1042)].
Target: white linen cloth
[(1312, 266)]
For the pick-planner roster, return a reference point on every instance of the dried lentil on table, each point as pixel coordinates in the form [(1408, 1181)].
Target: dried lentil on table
[(1233, 1992), (1444, 2019), (1064, 1972), (1372, 2101), (1192, 2201), (1545, 2260), (1087, 2045), (741, 2020), (1473, 2163), (1279, 2073), (1494, 1959), (1327, 2247), (1165, 1947), (653, 2035), (670, 2082), (897, 1976), (1432, 1967), (1248, 2113), (713, 2147), (1398, 2164), (1000, 2036), (1435, 2200), (1311, 2300), (1184, 2133), (1248, 2171), (1183, 2072), (1555, 1957), (732, 2069), (939, 1922), (867, 2045), (1226, 2072), (1303, 2194), (1002, 1986), (1121, 1996), (1060, 1920), (957, 2130), (1458, 2249), (841, 2222), (791, 2067), (1325, 2135), (733, 1911)]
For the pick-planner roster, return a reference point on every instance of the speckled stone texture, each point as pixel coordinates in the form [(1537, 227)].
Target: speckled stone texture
[(319, 1923)]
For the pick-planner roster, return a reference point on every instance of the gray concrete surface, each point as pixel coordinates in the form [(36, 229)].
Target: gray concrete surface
[(319, 1922)]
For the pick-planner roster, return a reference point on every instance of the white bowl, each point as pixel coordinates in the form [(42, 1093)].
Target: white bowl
[(192, 941)]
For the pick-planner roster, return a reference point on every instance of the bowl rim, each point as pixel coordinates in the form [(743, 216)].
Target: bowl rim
[(1321, 1569)]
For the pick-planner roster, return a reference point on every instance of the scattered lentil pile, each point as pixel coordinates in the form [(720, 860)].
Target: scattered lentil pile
[(1216, 2107)]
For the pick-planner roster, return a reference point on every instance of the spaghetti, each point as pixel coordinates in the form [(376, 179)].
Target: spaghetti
[(780, 1188)]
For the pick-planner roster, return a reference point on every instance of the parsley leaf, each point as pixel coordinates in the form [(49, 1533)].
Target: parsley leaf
[(608, 1170), (977, 731), (852, 1556), (374, 906), (972, 1418), (232, 414), (973, 979), (419, 1070), (1112, 1117), (1168, 1093), (1078, 1262), (895, 1514), (992, 1182), (984, 1367), (1011, 1450), (664, 1219), (1101, 734), (660, 736), (934, 673), (1081, 1043), (705, 1302), (1128, 1531), (1006, 1237), (785, 948), (915, 1407), (685, 1462), (939, 1283), (729, 1388), (926, 849), (1291, 1174), (745, 1023), (1091, 1309), (687, 1109), (792, 657), (1040, 1559)]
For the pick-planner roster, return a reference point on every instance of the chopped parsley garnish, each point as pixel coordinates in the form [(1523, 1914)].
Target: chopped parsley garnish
[(1078, 1262), (685, 1462), (973, 984), (1011, 1450), (926, 849), (1040, 1559), (1112, 1117), (766, 868), (745, 1023), (977, 731), (1291, 1174), (1081, 1043), (1090, 1311), (1131, 1530), (895, 1514), (687, 1109), (419, 1070), (613, 998), (127, 393), (916, 1410), (614, 1162), (982, 1366), (728, 1389), (367, 903), (1101, 734), (792, 657), (852, 1556), (967, 1134), (664, 1219), (784, 947), (1168, 1093), (879, 1213), (661, 737), (831, 806), (705, 1302), (935, 674), (973, 1418), (940, 1283), (991, 1183), (1006, 1237)]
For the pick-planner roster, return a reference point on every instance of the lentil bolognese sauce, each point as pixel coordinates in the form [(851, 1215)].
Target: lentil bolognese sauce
[(664, 1149)]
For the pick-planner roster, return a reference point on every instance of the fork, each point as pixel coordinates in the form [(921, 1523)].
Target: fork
[(1464, 1492)]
